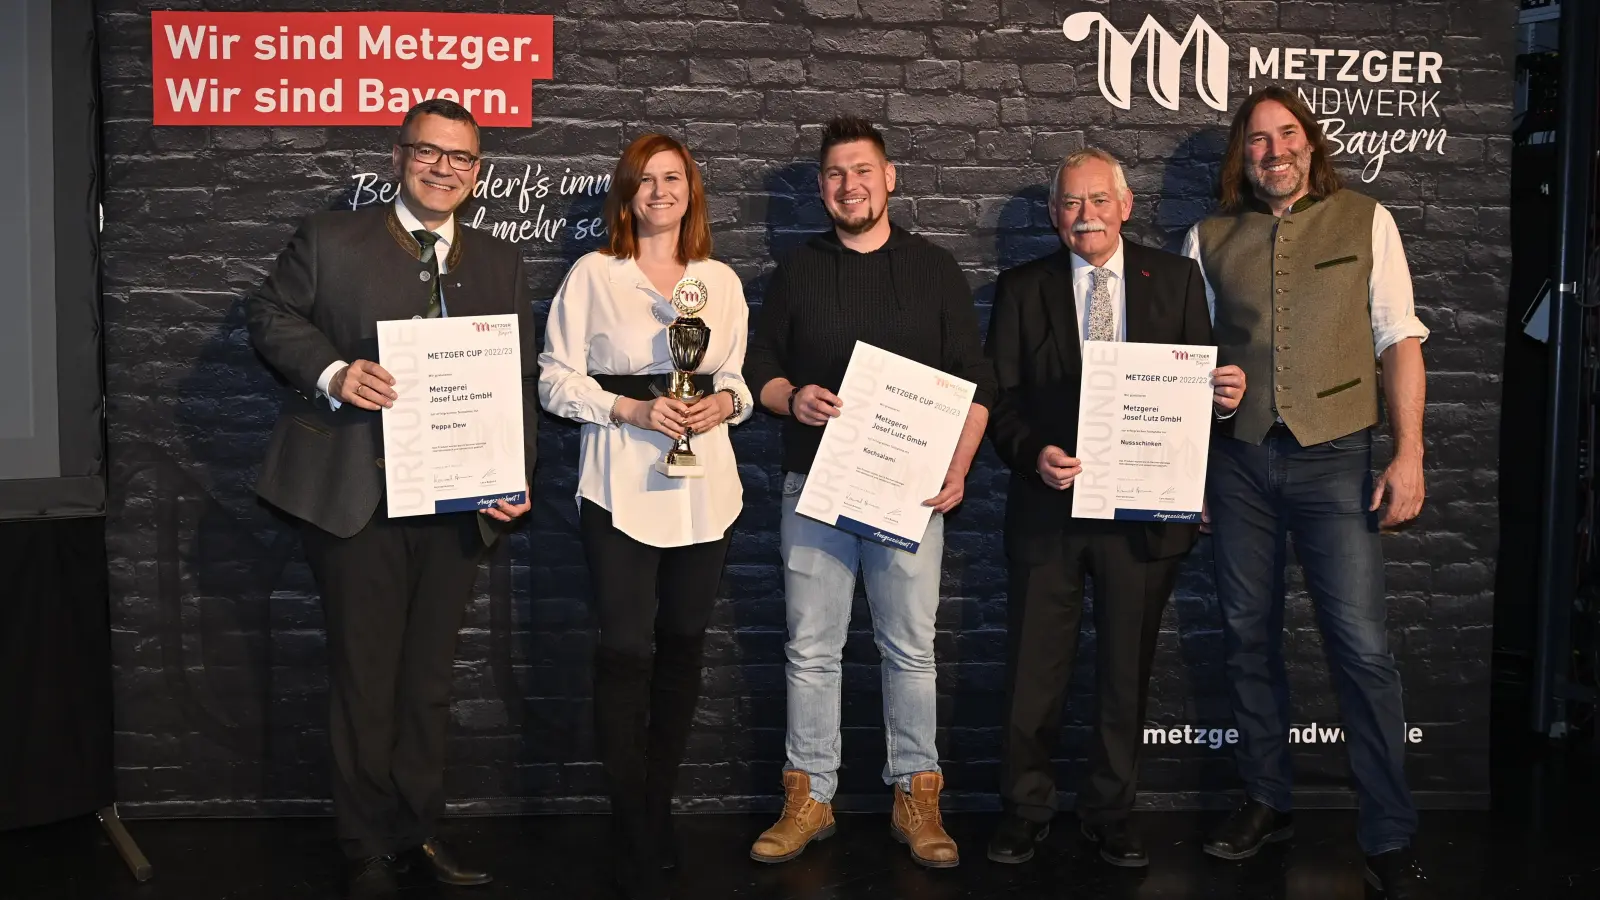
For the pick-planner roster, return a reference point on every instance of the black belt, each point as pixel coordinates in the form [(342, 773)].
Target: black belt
[(637, 387)]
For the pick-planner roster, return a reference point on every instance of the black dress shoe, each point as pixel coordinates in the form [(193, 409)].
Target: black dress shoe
[(1120, 844), (373, 877), (1398, 876), (436, 858), (1013, 841), (1251, 827)]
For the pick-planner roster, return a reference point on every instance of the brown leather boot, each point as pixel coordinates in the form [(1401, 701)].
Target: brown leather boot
[(918, 825), (804, 820)]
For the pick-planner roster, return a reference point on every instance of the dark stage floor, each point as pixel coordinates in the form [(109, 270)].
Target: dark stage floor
[(1541, 841), (1470, 855)]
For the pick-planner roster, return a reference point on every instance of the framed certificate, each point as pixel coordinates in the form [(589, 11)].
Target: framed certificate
[(888, 449), (453, 439), (1144, 431)]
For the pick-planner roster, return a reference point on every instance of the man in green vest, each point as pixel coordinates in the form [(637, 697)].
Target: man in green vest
[(1310, 293)]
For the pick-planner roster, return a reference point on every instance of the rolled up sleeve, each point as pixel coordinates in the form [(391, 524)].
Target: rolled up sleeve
[(1393, 306)]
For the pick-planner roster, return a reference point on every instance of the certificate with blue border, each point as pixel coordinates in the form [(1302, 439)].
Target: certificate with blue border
[(888, 449), (1144, 431), (453, 439)]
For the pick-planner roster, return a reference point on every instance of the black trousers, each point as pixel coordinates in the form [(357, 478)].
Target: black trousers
[(652, 605), (642, 591), (393, 595), (1045, 607)]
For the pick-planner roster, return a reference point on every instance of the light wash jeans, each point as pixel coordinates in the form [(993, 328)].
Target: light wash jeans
[(819, 569)]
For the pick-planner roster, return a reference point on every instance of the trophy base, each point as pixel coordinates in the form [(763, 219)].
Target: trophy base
[(680, 469)]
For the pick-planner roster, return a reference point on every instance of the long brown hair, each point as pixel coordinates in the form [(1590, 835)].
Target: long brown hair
[(1234, 189), (694, 232)]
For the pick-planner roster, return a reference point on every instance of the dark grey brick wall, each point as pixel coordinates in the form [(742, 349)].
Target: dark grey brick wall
[(220, 668)]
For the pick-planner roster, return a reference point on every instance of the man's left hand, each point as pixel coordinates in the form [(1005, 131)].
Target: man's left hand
[(948, 498), (1227, 388), (1402, 480), (502, 511)]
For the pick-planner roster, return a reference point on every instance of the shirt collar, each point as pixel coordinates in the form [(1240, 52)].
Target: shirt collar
[(446, 232), (1081, 268), (1256, 204), (625, 270)]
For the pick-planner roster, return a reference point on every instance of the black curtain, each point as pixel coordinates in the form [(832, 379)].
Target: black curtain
[(55, 671)]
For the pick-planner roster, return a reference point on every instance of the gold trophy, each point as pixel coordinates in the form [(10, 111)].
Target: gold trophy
[(687, 339)]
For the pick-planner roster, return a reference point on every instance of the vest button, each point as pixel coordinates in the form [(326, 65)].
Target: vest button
[(1283, 290), (1280, 272), (1280, 388), (1280, 368), (379, 461), (1280, 327)]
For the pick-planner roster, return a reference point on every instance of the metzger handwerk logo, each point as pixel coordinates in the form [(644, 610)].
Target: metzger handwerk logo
[(1163, 57)]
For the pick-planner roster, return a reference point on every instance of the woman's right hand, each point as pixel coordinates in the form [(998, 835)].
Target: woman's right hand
[(662, 414)]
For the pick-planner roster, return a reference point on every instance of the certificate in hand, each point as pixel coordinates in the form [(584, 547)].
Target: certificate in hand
[(453, 438), (1144, 431), (888, 449)]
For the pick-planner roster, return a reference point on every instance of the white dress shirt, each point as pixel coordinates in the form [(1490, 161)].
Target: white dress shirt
[(1394, 309), (1083, 287), (608, 319), (447, 234)]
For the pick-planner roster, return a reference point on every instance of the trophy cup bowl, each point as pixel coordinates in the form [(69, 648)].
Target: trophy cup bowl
[(687, 338)]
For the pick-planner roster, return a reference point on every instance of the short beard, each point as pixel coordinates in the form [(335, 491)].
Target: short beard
[(858, 226), (1300, 165)]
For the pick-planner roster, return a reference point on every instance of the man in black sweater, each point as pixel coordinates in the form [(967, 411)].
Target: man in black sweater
[(869, 281)]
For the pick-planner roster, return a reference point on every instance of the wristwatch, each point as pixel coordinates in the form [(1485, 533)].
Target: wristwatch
[(793, 392), (738, 402)]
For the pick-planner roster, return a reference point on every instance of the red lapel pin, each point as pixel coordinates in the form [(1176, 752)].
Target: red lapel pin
[(1145, 272)]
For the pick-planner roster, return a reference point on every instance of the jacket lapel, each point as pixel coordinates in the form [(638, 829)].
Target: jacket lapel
[(1060, 307), (413, 249), (1138, 308)]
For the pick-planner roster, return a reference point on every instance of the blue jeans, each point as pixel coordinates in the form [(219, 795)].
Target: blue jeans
[(819, 578), (1258, 496)]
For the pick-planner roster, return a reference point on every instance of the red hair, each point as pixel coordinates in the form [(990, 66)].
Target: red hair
[(694, 232)]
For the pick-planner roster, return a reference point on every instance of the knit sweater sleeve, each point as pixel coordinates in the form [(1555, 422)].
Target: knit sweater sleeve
[(767, 357), (962, 353)]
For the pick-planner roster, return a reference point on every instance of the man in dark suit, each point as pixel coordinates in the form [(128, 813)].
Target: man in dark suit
[(394, 591), (1098, 286)]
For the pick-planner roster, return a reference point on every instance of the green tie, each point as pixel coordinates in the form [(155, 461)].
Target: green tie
[(427, 239)]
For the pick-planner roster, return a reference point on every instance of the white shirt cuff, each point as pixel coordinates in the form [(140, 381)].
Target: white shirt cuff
[(324, 380), (1411, 328)]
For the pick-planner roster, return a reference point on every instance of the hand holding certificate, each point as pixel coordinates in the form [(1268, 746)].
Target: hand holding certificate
[(888, 449), (1144, 431), (453, 439)]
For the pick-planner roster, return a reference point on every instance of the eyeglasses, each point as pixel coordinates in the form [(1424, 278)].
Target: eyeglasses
[(428, 154)]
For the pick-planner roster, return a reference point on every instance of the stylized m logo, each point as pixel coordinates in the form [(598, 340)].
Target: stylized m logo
[(1181, 355), (1163, 56)]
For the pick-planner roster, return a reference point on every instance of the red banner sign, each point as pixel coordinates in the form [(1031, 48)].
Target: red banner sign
[(344, 68)]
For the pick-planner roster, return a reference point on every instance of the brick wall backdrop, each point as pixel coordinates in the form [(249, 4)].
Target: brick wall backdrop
[(220, 667)]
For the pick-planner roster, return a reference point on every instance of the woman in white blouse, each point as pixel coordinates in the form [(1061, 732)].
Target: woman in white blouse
[(655, 544)]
